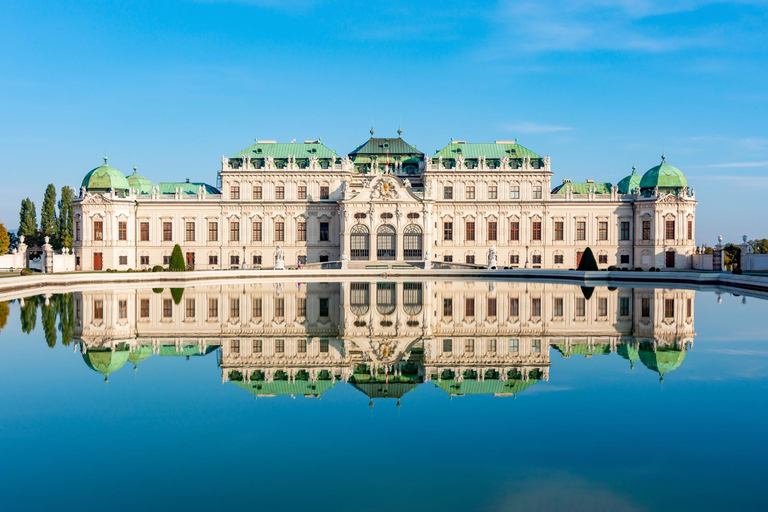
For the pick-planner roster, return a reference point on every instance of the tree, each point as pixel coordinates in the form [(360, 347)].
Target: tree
[(176, 294), (760, 245), (588, 261), (48, 224), (66, 223), (14, 238), (27, 219), (5, 239), (177, 260)]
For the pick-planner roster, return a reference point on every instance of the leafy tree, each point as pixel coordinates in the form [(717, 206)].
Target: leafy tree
[(760, 245), (48, 224), (5, 239), (4, 311), (65, 310), (66, 222), (588, 261), (49, 323), (28, 314), (14, 238), (177, 260), (27, 219)]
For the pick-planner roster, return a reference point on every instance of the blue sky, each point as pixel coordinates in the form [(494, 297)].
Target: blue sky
[(599, 86)]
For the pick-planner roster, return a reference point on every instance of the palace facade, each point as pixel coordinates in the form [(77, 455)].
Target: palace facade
[(385, 203)]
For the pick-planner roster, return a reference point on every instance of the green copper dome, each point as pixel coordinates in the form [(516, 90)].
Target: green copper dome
[(106, 361), (104, 178), (629, 352), (630, 183), (663, 360), (139, 183), (139, 354), (663, 176)]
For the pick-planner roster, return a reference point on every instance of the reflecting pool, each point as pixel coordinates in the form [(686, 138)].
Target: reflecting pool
[(464, 395)]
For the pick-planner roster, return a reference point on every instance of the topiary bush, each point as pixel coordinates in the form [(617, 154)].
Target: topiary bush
[(588, 261), (26, 272), (612, 268), (177, 260), (736, 270), (157, 268)]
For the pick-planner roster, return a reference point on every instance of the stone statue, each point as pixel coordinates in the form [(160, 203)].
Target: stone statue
[(224, 162), (407, 183), (656, 191), (504, 162), (492, 258), (82, 191), (279, 258), (344, 261)]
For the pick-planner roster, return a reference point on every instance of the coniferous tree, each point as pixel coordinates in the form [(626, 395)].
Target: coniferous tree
[(48, 314), (66, 222), (588, 261), (177, 260), (48, 222), (27, 219), (5, 239), (28, 315)]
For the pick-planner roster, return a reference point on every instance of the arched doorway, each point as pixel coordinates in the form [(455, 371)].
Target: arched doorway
[(359, 242), (386, 243), (412, 242)]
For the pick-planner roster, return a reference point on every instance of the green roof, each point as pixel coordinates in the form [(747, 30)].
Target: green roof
[(106, 361), (139, 183), (629, 184), (474, 150), (663, 176), (583, 188), (286, 387), (104, 178), (629, 352), (186, 350), (385, 390), (584, 349), (484, 387), (285, 150), (186, 188), (663, 360), (139, 354), (382, 146)]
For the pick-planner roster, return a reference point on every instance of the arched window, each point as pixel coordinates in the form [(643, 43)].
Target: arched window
[(412, 300), (412, 242), (359, 299), (386, 243), (360, 242), (385, 298)]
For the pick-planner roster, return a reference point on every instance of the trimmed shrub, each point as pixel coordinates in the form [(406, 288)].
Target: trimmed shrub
[(638, 269), (25, 272), (736, 270), (177, 260), (157, 290), (652, 269), (176, 294), (157, 268), (588, 261), (612, 268)]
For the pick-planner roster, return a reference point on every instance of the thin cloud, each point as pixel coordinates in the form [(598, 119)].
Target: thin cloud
[(730, 165), (528, 127)]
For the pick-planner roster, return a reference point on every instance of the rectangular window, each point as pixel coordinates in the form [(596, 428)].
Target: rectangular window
[(670, 230), (213, 231), (514, 192), (257, 259), (234, 259), (258, 346), (469, 231), (492, 232), (602, 259), (447, 345), (280, 192), (257, 193), (536, 307), (167, 231), (471, 259), (144, 308), (234, 308), (559, 259), (234, 231), (123, 260), (469, 306), (213, 259), (447, 192), (536, 230), (302, 191), (190, 309), (624, 258), (98, 230), (235, 346), (447, 258), (469, 346), (602, 306), (514, 230), (536, 259), (536, 346), (447, 307), (645, 308), (122, 309), (234, 192), (301, 306), (559, 231), (325, 192), (491, 306), (688, 307), (493, 192), (623, 306), (581, 307), (669, 308), (77, 231), (323, 307), (690, 230), (646, 230), (625, 230), (98, 310), (279, 346), (167, 308), (602, 230), (514, 307), (166, 259), (302, 232), (581, 230), (144, 231), (447, 230), (279, 307), (213, 308), (302, 346), (537, 192), (324, 231), (257, 307), (514, 346), (491, 345), (324, 345), (558, 306), (122, 230), (190, 234), (280, 231), (470, 192), (257, 234)]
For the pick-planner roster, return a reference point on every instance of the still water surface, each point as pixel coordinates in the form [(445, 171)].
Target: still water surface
[(376, 396)]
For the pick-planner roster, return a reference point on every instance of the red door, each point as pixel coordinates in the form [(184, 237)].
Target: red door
[(190, 260), (578, 258), (98, 261), (670, 259)]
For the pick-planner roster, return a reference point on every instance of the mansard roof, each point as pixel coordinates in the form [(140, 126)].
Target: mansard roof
[(308, 149), (382, 146), (186, 187), (499, 149), (583, 188)]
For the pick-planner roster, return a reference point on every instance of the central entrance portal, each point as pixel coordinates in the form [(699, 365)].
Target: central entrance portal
[(386, 243)]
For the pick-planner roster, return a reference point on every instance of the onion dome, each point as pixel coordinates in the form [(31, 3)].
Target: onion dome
[(105, 178), (139, 183), (106, 361), (664, 176), (139, 354), (631, 183), (662, 360), (629, 352)]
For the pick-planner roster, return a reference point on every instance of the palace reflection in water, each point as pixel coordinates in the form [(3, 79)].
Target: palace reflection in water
[(384, 338)]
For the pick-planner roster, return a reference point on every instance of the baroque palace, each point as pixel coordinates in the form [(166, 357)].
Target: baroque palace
[(385, 338), (385, 203)]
